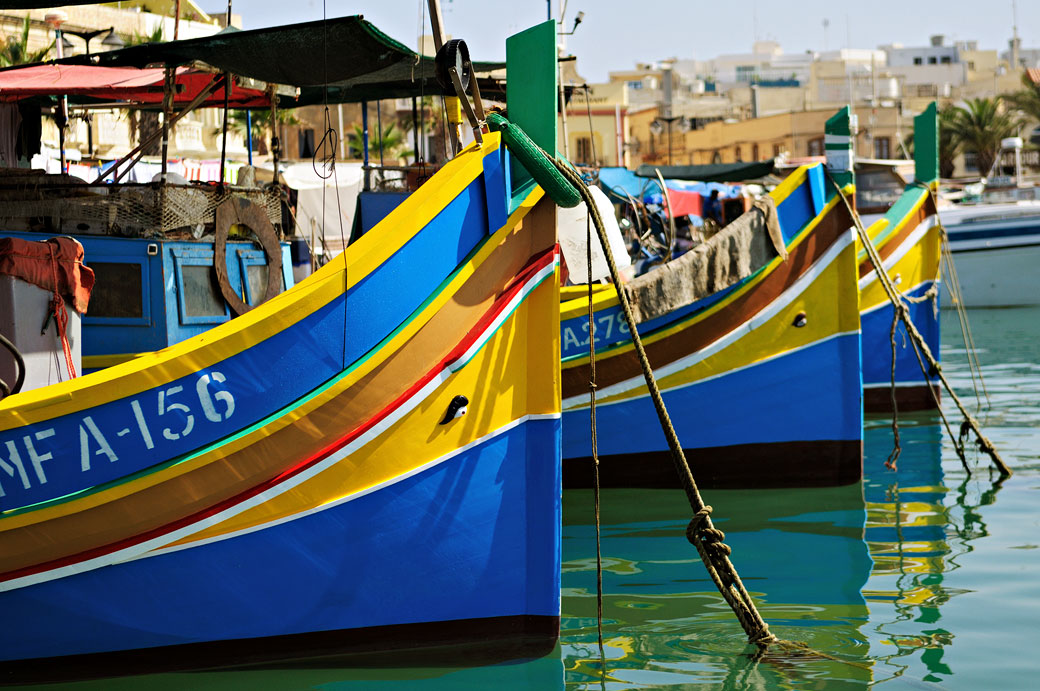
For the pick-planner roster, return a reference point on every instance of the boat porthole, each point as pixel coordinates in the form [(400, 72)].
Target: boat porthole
[(800, 320)]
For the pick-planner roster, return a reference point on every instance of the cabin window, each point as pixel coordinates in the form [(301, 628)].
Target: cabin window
[(918, 61), (932, 60), (201, 293), (946, 60), (117, 290), (253, 265), (882, 147), (584, 150), (198, 293), (121, 290)]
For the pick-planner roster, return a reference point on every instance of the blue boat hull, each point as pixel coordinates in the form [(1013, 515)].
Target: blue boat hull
[(465, 542), (736, 428)]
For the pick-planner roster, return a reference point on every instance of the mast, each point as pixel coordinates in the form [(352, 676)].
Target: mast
[(451, 103)]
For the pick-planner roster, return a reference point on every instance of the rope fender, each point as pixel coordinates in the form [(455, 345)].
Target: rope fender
[(536, 161)]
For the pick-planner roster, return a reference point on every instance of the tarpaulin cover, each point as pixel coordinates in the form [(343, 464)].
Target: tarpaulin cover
[(40, 263), (686, 197), (715, 172), (144, 86), (357, 60), (732, 254)]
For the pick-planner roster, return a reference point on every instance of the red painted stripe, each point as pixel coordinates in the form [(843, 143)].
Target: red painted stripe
[(532, 267)]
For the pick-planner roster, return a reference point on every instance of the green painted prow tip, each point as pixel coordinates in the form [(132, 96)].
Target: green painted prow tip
[(926, 146), (532, 89), (838, 141)]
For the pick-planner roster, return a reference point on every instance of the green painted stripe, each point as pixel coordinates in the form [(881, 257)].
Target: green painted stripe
[(829, 195), (159, 467)]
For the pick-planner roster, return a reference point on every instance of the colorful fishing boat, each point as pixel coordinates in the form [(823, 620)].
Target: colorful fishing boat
[(908, 240), (366, 462), (754, 339)]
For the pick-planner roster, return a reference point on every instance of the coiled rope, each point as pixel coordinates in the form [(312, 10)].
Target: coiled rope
[(923, 353)]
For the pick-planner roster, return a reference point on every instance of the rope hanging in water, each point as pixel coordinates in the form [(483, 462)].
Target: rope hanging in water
[(921, 350), (701, 533)]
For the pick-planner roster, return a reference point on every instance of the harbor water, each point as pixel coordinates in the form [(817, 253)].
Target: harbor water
[(926, 576)]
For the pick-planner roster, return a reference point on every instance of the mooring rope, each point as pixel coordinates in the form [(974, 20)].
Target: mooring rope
[(921, 350), (701, 533), (953, 285), (594, 447)]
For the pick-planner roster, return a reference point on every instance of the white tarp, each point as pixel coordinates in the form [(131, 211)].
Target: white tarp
[(572, 228), (337, 195)]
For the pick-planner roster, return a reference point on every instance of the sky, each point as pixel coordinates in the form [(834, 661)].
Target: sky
[(615, 34)]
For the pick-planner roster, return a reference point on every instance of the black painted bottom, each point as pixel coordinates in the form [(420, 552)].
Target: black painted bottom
[(463, 642), (747, 466), (910, 399)]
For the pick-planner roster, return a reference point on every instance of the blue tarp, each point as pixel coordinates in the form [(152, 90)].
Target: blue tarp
[(620, 183)]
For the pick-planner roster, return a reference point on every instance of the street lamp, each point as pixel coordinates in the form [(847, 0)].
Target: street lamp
[(112, 40), (659, 123)]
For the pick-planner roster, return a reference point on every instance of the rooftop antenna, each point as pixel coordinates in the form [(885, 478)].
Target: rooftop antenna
[(826, 23)]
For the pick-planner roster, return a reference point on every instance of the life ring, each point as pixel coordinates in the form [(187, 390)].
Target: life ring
[(239, 210), (536, 161)]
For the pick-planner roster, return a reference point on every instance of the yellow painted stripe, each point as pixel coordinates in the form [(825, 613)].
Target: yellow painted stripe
[(713, 309), (525, 344), (790, 184), (274, 316), (830, 302), (879, 226), (300, 412), (919, 264), (576, 301), (103, 361)]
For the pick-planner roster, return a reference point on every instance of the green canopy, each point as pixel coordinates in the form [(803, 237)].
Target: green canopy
[(356, 60), (715, 172)]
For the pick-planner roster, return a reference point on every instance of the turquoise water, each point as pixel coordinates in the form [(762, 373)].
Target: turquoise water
[(923, 577)]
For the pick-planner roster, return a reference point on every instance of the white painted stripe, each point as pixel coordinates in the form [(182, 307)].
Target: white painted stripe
[(767, 313), (901, 251), (357, 495), (777, 356), (141, 549), (842, 139), (529, 286)]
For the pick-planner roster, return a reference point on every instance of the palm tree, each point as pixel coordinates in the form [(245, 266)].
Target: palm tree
[(980, 126), (949, 145), (15, 51), (145, 122), (1027, 99), (391, 143)]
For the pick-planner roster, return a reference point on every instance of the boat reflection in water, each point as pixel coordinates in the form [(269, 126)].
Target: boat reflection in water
[(800, 553), (918, 524)]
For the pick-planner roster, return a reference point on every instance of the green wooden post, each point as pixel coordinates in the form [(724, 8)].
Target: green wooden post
[(531, 88), (926, 145), (838, 143)]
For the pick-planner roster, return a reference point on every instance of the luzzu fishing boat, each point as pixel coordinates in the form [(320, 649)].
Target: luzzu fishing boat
[(907, 238), (302, 480), (756, 352)]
